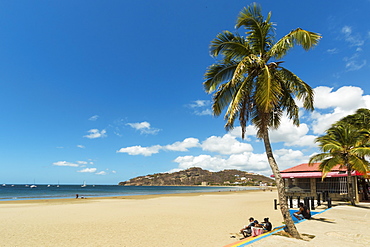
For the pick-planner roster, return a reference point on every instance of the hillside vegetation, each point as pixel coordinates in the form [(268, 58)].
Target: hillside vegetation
[(198, 176)]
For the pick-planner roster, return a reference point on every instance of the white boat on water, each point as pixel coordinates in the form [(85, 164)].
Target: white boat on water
[(84, 185), (34, 184)]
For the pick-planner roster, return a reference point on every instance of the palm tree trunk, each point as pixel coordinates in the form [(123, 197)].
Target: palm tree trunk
[(350, 187), (291, 229)]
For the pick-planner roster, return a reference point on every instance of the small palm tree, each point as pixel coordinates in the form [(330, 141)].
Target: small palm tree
[(346, 146), (359, 120), (251, 84)]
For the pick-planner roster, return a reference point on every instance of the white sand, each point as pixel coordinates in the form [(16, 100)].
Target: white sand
[(340, 226), (173, 220)]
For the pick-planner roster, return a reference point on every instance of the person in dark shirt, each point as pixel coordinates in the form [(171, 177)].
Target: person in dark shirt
[(247, 230), (303, 213), (267, 226)]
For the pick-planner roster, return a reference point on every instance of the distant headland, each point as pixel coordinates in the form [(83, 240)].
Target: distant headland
[(198, 176)]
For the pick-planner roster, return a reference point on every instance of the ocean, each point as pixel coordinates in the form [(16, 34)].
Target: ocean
[(25, 192)]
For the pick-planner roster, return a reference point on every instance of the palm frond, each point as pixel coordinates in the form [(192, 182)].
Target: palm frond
[(301, 37), (231, 46), (359, 164), (298, 88), (268, 91), (217, 74), (222, 98), (240, 98), (259, 32)]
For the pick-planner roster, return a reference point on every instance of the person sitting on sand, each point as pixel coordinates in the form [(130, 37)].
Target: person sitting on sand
[(303, 213), (247, 230), (267, 226)]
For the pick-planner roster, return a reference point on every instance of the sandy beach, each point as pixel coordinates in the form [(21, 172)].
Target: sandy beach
[(340, 226), (197, 219), (169, 220)]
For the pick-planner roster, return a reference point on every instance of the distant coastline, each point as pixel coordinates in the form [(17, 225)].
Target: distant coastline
[(43, 192)]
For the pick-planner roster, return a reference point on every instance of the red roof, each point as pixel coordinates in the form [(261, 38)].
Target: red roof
[(316, 174), (306, 171), (306, 168)]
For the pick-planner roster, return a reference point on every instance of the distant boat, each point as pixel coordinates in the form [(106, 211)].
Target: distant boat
[(34, 185), (4, 185), (48, 185), (84, 185)]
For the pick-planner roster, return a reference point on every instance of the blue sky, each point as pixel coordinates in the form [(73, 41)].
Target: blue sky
[(105, 91)]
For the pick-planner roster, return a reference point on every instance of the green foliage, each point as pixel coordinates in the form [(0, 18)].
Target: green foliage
[(345, 143), (248, 82)]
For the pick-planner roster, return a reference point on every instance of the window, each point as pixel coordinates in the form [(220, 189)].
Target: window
[(332, 185)]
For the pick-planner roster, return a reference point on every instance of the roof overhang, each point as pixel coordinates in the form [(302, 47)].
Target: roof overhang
[(316, 174)]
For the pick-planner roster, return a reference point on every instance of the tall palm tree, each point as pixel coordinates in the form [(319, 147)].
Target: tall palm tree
[(251, 84), (346, 146)]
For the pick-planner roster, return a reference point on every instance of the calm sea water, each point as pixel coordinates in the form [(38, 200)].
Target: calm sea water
[(24, 192)]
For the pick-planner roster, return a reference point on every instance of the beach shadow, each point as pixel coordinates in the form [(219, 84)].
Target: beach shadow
[(331, 221), (363, 205)]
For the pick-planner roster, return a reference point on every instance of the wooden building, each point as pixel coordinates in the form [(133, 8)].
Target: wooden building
[(303, 180)]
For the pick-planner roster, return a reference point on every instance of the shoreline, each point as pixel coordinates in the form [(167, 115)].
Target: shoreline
[(131, 197), (232, 188)]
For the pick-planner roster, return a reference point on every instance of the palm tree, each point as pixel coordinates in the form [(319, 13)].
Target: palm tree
[(250, 82), (360, 120), (346, 146)]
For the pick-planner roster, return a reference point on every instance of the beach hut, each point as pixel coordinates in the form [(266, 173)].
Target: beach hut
[(306, 181)]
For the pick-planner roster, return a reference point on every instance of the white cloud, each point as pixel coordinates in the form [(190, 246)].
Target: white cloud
[(88, 170), (204, 112), (95, 133), (80, 146), (225, 145), (201, 107), (250, 130), (292, 135), (183, 146), (355, 40), (82, 162), (354, 63), (65, 163), (200, 103), (207, 162), (94, 118), (347, 97), (332, 51), (334, 105), (148, 151), (351, 38), (139, 150), (101, 173), (144, 128), (246, 161)]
